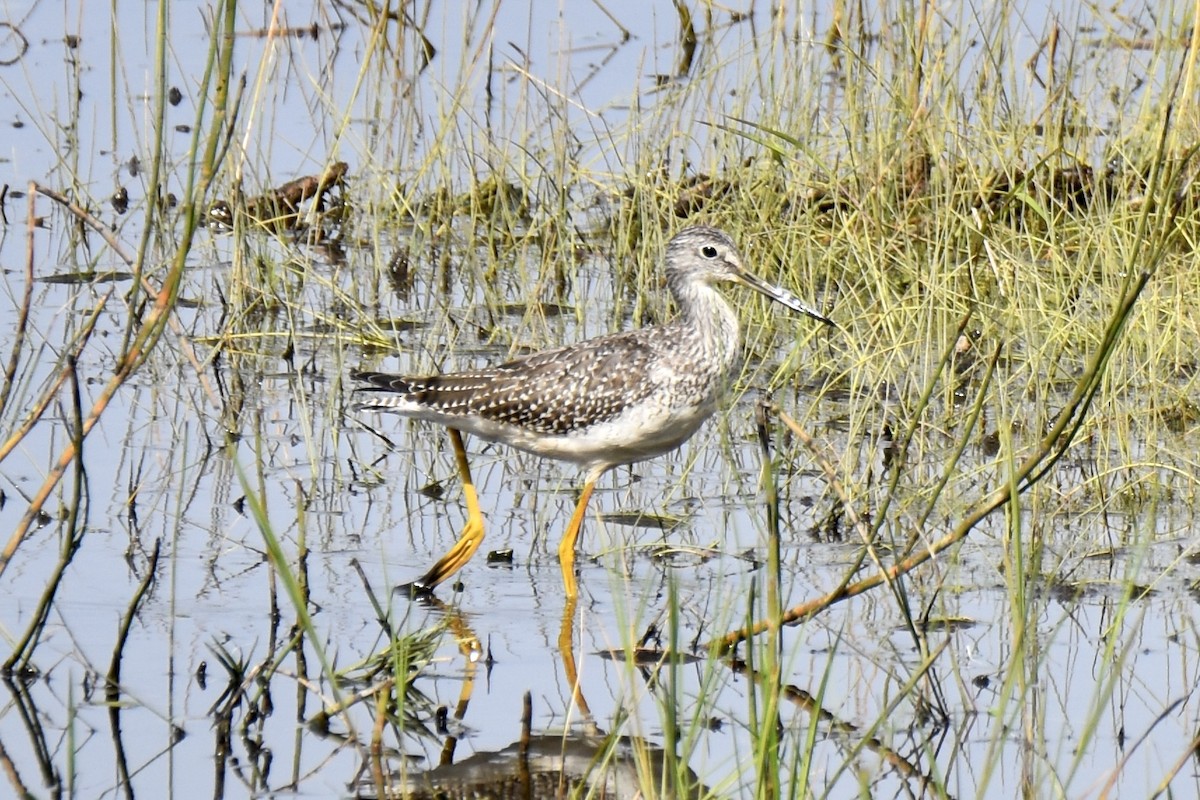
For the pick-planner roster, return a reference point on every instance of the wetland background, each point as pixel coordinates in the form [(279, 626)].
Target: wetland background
[(214, 211)]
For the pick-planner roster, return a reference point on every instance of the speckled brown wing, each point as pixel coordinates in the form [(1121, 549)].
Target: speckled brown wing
[(564, 390), (552, 392)]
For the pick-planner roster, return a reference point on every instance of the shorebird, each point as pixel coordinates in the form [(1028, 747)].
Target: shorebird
[(599, 403)]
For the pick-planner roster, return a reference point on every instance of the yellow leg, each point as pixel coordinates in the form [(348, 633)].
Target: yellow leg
[(566, 648), (566, 548), (472, 532), (468, 645)]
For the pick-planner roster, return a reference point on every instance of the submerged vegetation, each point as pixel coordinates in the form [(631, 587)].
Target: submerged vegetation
[(944, 550)]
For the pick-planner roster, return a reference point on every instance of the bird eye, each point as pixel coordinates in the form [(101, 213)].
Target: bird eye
[(708, 251)]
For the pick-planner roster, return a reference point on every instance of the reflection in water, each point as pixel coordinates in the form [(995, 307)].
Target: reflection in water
[(551, 765), (548, 765), (39, 742), (542, 765)]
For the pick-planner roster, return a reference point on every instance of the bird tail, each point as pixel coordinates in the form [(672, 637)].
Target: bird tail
[(382, 390)]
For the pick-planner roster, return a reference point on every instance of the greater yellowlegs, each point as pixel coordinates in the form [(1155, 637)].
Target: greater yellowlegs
[(603, 402)]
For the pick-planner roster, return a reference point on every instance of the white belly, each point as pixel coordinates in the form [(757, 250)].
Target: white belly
[(642, 432)]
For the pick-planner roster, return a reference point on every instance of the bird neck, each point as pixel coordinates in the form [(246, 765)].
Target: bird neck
[(708, 316)]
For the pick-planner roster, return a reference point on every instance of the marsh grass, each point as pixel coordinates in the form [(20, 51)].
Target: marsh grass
[(995, 241)]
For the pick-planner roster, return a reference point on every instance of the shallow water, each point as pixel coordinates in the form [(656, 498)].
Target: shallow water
[(1107, 683)]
